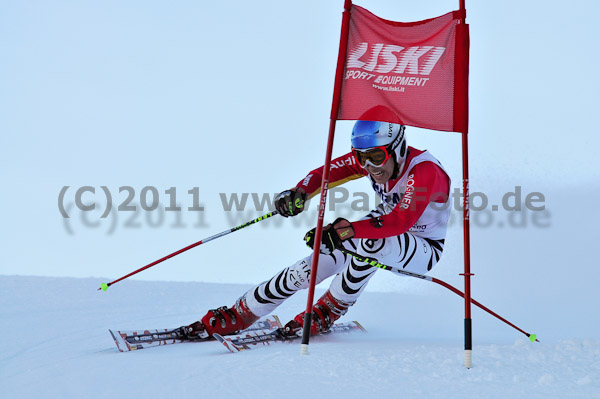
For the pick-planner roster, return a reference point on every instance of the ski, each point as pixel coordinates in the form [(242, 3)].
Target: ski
[(140, 339), (251, 339)]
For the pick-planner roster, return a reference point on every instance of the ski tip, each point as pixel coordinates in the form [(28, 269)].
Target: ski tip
[(103, 287), (114, 337), (231, 347), (218, 337), (279, 325), (360, 326)]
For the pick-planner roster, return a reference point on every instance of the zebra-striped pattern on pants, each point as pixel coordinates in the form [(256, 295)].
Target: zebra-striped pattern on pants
[(407, 251)]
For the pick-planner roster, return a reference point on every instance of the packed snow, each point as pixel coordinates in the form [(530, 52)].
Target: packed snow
[(57, 345), (131, 94)]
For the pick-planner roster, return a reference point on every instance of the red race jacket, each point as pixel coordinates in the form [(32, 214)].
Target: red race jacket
[(417, 200)]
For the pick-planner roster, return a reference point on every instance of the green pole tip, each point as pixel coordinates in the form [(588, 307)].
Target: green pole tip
[(532, 337), (104, 286)]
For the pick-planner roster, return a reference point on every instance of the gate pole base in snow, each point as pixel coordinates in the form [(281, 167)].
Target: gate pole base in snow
[(304, 349), (468, 358), (468, 344)]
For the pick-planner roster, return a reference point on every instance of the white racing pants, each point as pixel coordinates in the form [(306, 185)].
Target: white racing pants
[(406, 251)]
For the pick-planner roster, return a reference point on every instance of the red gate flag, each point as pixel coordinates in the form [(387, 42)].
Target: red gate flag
[(418, 70)]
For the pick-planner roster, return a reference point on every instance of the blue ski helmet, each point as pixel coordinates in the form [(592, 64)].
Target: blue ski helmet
[(368, 134)]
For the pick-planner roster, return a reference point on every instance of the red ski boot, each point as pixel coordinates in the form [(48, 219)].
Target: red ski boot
[(324, 313), (223, 320)]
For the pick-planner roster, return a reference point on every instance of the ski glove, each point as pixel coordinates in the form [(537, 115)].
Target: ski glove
[(334, 235), (290, 202)]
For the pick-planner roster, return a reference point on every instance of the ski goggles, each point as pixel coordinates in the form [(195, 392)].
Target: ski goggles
[(375, 156)]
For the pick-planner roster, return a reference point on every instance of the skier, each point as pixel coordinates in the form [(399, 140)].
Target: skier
[(406, 230)]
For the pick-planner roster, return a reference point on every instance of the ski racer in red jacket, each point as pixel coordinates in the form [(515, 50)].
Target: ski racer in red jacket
[(406, 230)]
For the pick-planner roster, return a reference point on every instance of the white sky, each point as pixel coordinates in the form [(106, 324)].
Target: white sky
[(235, 97)]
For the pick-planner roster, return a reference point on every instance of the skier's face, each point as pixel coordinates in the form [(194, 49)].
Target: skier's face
[(381, 174)]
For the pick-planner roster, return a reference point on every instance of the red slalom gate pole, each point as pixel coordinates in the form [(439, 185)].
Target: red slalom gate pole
[(466, 226), (337, 89), (318, 234), (467, 255)]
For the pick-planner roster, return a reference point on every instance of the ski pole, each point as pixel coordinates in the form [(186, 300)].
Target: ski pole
[(375, 262), (104, 286)]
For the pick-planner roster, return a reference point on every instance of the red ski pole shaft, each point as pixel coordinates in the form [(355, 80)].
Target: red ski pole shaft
[(474, 302), (104, 286), (375, 262)]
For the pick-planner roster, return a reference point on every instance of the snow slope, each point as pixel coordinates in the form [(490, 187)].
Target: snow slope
[(56, 345)]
